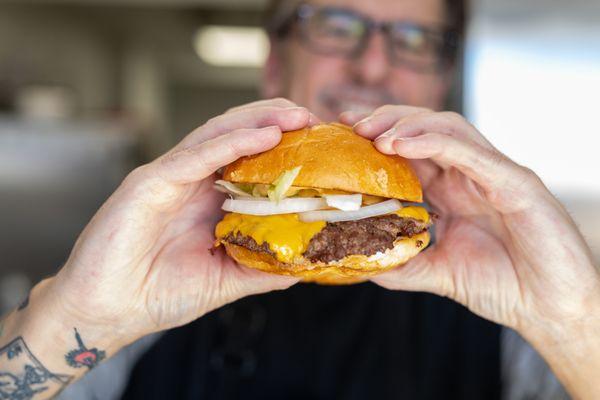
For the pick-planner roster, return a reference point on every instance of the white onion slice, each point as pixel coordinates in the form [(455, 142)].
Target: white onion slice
[(344, 202), (374, 210), (230, 188), (266, 207)]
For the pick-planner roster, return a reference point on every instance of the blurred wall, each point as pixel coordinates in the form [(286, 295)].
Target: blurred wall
[(88, 90)]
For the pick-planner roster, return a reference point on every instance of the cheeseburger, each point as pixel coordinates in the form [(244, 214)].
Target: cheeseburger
[(323, 205)]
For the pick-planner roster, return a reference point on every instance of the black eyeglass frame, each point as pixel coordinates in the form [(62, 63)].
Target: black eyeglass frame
[(450, 37)]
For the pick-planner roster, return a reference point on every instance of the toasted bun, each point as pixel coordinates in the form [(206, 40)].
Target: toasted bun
[(351, 269), (332, 156)]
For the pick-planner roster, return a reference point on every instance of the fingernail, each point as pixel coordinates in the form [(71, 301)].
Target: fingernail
[(381, 139), (385, 144), (389, 133), (399, 141)]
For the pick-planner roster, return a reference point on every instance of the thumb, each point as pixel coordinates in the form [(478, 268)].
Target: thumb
[(420, 274)]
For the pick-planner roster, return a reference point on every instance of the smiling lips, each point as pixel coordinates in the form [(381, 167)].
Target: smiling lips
[(362, 100)]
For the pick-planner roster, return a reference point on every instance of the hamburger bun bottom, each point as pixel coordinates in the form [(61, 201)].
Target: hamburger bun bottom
[(349, 270)]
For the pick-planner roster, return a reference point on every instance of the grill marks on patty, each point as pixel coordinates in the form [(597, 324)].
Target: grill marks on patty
[(340, 239)]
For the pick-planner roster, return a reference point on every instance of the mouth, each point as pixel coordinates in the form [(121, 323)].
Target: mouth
[(339, 105), (364, 101)]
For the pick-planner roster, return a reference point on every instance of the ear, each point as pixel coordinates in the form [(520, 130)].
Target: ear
[(272, 77)]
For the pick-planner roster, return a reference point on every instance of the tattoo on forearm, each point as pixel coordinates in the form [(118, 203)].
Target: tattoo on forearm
[(84, 357), (22, 375)]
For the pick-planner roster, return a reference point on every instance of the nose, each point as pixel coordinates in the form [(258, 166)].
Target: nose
[(372, 66)]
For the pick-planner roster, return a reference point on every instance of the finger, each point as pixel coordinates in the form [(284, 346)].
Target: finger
[(352, 117), (280, 102), (417, 275), (275, 102), (287, 119), (384, 118), (202, 160), (507, 185), (385, 143), (449, 123), (256, 281)]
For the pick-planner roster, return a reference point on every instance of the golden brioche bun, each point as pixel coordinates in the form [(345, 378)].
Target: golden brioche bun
[(332, 156), (350, 269)]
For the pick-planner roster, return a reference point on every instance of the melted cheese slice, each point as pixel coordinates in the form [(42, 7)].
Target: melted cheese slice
[(287, 236)]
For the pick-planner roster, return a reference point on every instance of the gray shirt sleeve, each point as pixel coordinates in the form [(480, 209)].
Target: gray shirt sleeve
[(525, 375), (108, 380)]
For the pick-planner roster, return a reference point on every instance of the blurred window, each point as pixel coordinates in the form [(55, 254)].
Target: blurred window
[(533, 87)]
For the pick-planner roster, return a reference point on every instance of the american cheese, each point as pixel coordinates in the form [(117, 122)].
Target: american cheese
[(287, 236)]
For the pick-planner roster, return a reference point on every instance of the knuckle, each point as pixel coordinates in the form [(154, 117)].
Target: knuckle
[(149, 185), (139, 181), (419, 111), (455, 121), (529, 177), (423, 110), (282, 101), (481, 159), (233, 109), (211, 122), (385, 109), (453, 116), (167, 160), (495, 158), (415, 117), (138, 175), (232, 147), (515, 185)]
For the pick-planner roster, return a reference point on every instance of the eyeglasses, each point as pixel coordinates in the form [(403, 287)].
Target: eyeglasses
[(346, 33)]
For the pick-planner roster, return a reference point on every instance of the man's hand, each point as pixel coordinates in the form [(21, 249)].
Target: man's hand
[(145, 262), (506, 248)]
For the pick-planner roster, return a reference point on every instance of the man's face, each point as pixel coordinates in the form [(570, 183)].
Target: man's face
[(329, 84)]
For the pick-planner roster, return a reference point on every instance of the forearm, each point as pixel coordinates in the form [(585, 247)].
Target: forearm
[(572, 349), (42, 350)]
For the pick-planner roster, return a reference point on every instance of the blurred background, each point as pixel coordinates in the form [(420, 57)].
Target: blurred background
[(91, 88)]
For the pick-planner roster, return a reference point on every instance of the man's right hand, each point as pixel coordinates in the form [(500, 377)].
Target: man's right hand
[(144, 263)]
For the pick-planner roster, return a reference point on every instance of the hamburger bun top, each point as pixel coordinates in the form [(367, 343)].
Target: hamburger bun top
[(332, 156)]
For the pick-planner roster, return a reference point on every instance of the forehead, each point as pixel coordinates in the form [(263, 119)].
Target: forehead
[(421, 11)]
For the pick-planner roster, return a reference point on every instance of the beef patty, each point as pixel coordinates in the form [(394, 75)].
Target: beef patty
[(340, 239)]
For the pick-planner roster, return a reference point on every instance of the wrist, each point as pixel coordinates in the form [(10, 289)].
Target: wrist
[(571, 346), (46, 318), (46, 349)]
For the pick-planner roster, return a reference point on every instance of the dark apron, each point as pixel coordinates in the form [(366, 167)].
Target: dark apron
[(318, 342)]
